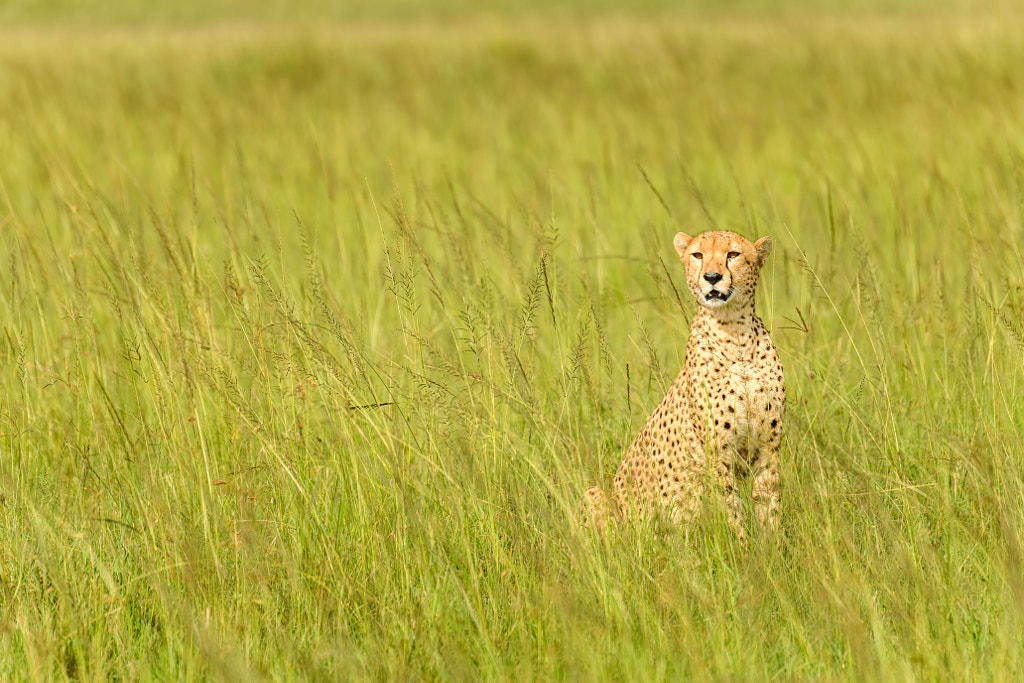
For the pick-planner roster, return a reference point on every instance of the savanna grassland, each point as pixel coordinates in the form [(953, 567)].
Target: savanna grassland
[(315, 326)]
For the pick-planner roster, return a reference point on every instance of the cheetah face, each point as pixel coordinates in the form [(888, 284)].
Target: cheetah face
[(722, 267)]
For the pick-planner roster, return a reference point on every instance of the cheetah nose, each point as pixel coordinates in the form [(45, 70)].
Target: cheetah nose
[(713, 278)]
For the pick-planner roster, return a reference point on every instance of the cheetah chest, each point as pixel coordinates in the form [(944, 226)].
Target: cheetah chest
[(741, 414)]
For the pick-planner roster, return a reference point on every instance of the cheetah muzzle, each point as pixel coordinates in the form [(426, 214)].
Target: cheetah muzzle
[(722, 417)]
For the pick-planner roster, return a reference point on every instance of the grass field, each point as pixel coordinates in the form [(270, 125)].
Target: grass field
[(314, 331)]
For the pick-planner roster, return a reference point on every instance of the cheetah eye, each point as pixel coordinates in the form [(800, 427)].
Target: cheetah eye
[(732, 254), (697, 255)]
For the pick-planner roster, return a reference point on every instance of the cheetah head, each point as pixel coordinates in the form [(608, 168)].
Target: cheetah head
[(722, 268)]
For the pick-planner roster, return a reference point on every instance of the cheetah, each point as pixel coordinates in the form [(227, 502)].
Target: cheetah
[(722, 417)]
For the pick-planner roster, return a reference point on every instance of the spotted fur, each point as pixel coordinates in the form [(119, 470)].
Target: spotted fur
[(722, 417)]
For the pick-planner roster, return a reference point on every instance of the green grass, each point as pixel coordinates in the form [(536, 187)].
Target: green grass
[(99, 13), (312, 337)]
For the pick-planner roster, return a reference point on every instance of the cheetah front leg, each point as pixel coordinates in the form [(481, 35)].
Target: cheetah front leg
[(765, 492), (734, 505)]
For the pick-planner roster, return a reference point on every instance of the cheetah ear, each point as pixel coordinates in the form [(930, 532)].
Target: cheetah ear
[(764, 247), (681, 241)]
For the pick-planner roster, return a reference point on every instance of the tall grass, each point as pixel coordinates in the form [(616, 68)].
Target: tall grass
[(312, 339)]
